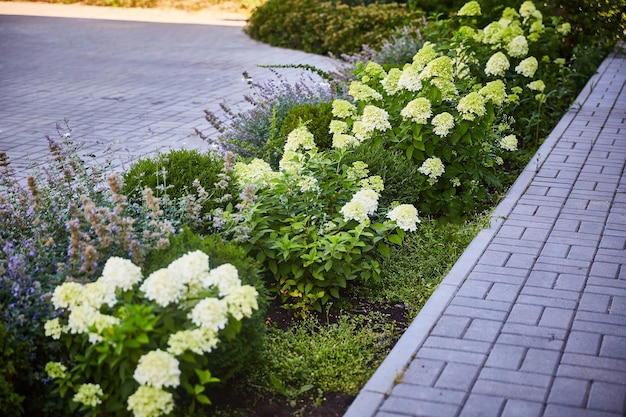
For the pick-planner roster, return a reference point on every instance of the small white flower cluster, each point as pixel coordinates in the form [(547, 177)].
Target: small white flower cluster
[(433, 167), (363, 204), (405, 216)]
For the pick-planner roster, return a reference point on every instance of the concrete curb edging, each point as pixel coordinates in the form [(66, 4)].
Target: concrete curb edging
[(372, 395)]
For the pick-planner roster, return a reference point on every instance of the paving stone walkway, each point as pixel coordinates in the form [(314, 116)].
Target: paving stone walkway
[(125, 78), (531, 321)]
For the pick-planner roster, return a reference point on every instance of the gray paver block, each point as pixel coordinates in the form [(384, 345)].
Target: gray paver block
[(541, 361), (478, 303), (554, 410), (613, 347), (451, 326), (525, 313), (509, 390), (594, 302), (618, 305), (460, 345), (544, 279), (483, 330), (608, 397), (517, 408), (592, 361), (458, 376), (556, 317), (482, 405), (450, 355), (503, 292), (516, 377), (569, 391), (570, 282), (583, 342), (411, 407), (474, 288), (422, 393), (504, 356), (423, 371)]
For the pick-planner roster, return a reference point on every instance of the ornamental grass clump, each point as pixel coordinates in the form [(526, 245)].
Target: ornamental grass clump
[(139, 345), (315, 224)]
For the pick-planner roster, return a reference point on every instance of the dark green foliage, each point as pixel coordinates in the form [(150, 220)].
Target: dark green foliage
[(173, 173), (13, 361), (230, 357), (316, 117), (327, 27)]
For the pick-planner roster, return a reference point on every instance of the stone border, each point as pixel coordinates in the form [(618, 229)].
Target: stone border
[(379, 386)]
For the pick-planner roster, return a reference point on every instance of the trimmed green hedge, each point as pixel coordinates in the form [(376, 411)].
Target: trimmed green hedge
[(327, 27)]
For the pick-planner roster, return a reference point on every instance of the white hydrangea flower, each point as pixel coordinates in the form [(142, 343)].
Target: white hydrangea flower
[(299, 137), (405, 216), (426, 54), (355, 210), (225, 277), (291, 162), (344, 141), (509, 143), (361, 131), (150, 402), (67, 295), (256, 172), (200, 341), (433, 167), (537, 85), (121, 273), (527, 67), (443, 123), (89, 395), (163, 287), (390, 82), (471, 8), (337, 127), (518, 47), (158, 369), (410, 79), (472, 105), (241, 301), (343, 108), (54, 329), (494, 91), (211, 313), (497, 65), (308, 183), (99, 293), (80, 319), (417, 110), (369, 199), (375, 118), (439, 67), (363, 92)]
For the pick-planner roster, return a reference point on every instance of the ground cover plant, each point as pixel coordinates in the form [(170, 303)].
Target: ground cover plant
[(286, 212)]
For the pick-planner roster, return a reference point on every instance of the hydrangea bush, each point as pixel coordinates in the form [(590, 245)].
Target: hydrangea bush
[(315, 223), (449, 109), (132, 341)]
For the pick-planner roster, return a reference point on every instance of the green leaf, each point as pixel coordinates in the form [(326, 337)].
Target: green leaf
[(384, 250), (395, 239), (203, 399)]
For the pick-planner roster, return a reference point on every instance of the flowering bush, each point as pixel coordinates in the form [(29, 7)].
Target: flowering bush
[(315, 224), (132, 340), (448, 109)]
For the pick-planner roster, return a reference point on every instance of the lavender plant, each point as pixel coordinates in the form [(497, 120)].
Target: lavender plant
[(247, 132)]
